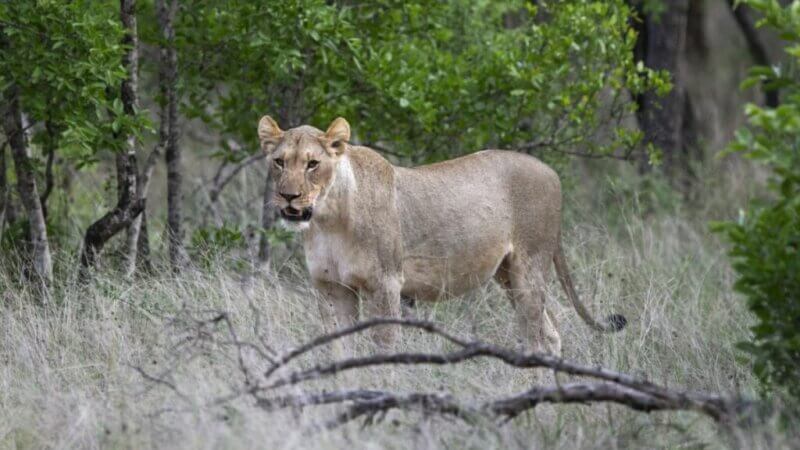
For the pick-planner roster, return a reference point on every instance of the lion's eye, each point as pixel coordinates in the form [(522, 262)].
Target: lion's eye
[(279, 162), (312, 164)]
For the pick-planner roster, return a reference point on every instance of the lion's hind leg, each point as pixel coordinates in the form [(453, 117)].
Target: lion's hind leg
[(523, 280)]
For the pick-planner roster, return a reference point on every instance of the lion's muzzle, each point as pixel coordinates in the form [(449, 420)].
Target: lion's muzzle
[(297, 215)]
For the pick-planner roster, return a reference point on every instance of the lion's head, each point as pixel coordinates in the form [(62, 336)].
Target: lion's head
[(303, 164)]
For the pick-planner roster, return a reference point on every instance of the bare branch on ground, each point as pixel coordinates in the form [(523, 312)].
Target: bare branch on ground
[(612, 387)]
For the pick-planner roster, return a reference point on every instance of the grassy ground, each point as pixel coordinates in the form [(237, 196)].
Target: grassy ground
[(68, 373)]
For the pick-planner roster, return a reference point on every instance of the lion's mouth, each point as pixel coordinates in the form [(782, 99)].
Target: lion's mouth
[(296, 215)]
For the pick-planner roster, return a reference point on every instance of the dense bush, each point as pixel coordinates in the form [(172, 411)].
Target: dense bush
[(426, 79), (766, 239)]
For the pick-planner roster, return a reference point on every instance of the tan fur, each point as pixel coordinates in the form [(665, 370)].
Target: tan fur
[(381, 232)]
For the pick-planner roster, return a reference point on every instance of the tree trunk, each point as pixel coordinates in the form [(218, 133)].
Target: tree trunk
[(168, 78), (143, 187), (267, 220), (49, 181), (26, 185), (696, 40), (756, 46), (126, 162), (661, 118), (8, 211), (691, 154), (4, 199), (129, 205)]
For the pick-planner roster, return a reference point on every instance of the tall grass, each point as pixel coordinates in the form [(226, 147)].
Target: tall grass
[(69, 378)]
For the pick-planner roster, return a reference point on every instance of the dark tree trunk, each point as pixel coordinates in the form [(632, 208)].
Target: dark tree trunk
[(104, 229), (696, 50), (127, 167), (4, 199), (756, 46), (696, 41), (7, 212), (267, 220), (49, 181), (168, 78), (129, 205), (686, 176), (661, 118), (7, 206), (26, 185), (143, 186)]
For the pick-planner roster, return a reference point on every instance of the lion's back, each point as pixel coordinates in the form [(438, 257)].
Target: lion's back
[(460, 217)]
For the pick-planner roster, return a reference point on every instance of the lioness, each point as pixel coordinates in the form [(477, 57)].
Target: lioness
[(379, 231)]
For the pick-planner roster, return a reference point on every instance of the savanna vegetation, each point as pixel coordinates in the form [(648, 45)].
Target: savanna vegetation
[(146, 286)]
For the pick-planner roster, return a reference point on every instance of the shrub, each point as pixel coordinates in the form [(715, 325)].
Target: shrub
[(766, 239)]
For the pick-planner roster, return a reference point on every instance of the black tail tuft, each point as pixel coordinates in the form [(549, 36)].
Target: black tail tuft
[(616, 322)]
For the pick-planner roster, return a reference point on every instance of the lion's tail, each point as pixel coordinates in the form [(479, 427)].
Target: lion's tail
[(614, 322)]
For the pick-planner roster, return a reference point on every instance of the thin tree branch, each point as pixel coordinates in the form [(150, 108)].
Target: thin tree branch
[(325, 339), (553, 147), (381, 149), (222, 179)]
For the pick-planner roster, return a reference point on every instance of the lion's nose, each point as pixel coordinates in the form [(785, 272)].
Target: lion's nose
[(289, 197)]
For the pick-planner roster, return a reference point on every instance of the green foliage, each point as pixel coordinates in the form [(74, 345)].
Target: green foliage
[(226, 237), (212, 243), (428, 79), (66, 59), (766, 240)]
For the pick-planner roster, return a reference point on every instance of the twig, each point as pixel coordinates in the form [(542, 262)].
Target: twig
[(323, 398), (160, 380), (551, 146), (220, 181), (430, 327), (381, 149)]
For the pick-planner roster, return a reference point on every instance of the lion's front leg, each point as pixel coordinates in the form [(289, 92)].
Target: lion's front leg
[(552, 339), (338, 308), (383, 300)]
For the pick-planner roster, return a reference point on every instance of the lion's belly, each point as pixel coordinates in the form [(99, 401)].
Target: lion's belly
[(456, 227), (433, 277)]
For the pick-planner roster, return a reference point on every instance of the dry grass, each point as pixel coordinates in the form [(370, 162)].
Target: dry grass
[(67, 376)]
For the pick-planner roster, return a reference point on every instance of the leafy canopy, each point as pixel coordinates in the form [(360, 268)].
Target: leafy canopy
[(426, 79), (66, 60)]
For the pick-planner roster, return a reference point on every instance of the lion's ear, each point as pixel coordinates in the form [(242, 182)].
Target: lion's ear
[(269, 133), (338, 134)]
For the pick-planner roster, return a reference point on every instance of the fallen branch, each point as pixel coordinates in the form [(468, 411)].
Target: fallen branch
[(612, 387), (371, 403), (472, 350)]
